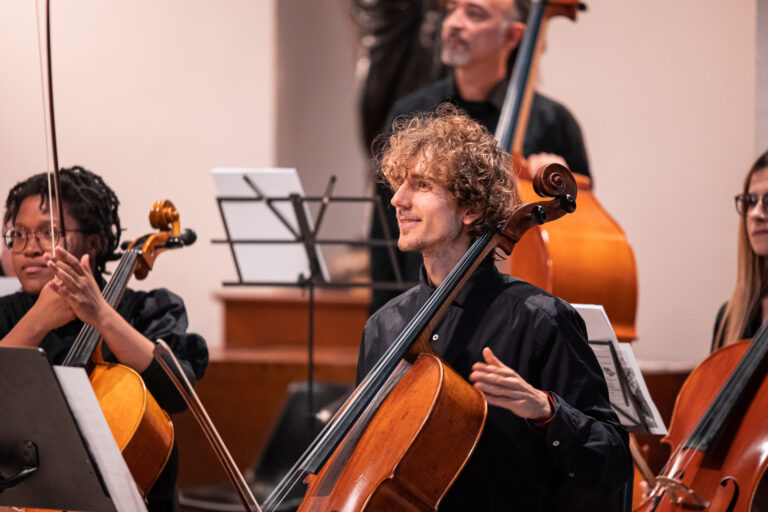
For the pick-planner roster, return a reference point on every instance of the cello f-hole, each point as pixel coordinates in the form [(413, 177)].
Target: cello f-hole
[(736, 492)]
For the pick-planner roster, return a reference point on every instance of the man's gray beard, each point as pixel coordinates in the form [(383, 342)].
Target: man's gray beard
[(453, 58)]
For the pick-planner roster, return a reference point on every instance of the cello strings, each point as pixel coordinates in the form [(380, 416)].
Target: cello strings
[(719, 410), (86, 340)]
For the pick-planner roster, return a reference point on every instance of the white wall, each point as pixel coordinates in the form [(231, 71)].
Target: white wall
[(665, 95), (153, 94)]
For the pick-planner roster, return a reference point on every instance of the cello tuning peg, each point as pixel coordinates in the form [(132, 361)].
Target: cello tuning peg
[(187, 237), (539, 215), (568, 203)]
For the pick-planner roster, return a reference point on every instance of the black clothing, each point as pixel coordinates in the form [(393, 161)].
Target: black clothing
[(753, 325), (157, 314), (551, 129), (580, 460)]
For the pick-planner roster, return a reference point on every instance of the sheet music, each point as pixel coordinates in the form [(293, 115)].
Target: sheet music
[(254, 220), (629, 396), (98, 437)]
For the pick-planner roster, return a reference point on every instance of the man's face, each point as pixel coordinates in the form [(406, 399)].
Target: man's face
[(477, 30), (29, 262), (429, 218)]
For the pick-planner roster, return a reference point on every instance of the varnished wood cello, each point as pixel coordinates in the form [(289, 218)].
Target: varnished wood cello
[(347, 467), (142, 430), (719, 435)]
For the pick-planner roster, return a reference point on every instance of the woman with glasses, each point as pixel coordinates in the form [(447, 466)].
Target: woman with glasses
[(61, 290), (747, 309)]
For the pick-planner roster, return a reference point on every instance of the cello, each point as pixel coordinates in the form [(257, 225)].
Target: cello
[(718, 435), (348, 467), (143, 431)]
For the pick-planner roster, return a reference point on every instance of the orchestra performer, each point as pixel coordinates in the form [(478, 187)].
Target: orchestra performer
[(742, 315), (62, 292), (479, 39), (551, 440)]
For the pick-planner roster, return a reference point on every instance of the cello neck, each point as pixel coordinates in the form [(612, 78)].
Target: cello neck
[(88, 337)]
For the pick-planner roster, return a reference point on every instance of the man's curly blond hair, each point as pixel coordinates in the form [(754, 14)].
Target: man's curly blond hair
[(461, 155)]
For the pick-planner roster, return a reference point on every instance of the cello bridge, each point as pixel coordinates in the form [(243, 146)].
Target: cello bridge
[(678, 492)]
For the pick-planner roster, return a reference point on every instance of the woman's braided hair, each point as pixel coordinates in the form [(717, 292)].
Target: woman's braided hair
[(86, 198)]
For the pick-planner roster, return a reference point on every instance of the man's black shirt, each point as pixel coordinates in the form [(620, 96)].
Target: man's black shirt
[(581, 460)]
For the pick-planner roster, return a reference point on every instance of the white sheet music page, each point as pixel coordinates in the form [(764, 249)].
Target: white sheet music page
[(87, 412), (631, 393)]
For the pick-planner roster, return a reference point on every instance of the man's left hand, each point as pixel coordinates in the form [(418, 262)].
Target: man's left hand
[(503, 387)]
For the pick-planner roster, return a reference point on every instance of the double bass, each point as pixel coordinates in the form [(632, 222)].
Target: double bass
[(586, 257), (415, 408)]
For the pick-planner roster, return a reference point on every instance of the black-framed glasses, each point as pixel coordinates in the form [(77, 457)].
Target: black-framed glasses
[(16, 239), (745, 202)]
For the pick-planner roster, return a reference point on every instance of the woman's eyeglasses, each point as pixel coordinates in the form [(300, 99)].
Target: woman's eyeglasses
[(16, 239), (745, 203)]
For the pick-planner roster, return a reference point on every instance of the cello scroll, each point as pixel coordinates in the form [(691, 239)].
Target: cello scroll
[(553, 180)]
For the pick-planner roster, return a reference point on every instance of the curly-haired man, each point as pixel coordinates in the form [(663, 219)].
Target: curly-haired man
[(61, 292), (551, 440)]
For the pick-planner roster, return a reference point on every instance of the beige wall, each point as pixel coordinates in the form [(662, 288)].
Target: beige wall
[(665, 95), (151, 95), (154, 94)]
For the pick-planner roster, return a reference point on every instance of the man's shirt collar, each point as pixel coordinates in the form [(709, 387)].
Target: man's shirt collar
[(496, 97)]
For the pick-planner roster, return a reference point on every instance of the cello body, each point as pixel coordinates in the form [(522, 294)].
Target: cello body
[(143, 431), (731, 474), (431, 421)]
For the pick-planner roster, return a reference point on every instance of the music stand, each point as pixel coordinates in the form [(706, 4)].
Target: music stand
[(627, 391), (55, 441), (267, 208)]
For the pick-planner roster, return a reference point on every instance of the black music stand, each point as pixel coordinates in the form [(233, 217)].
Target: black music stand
[(55, 452), (299, 230)]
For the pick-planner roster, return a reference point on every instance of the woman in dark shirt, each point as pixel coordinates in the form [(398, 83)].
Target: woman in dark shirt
[(62, 292), (747, 309)]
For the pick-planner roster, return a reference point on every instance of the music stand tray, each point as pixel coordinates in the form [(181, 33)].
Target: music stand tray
[(49, 421)]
